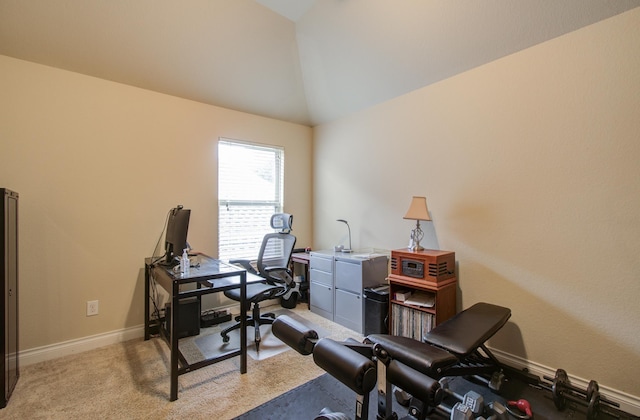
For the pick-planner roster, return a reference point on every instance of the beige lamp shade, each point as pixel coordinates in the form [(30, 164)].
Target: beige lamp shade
[(418, 209)]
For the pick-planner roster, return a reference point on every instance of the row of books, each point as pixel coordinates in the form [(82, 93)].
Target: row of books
[(409, 322)]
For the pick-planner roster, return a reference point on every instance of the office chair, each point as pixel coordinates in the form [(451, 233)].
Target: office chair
[(273, 266)]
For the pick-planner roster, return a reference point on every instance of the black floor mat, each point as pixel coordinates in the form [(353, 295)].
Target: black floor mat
[(307, 400)]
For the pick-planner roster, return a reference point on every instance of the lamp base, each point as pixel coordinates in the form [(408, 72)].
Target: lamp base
[(346, 250), (416, 237)]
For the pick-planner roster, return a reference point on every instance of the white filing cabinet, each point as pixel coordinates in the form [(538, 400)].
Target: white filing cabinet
[(338, 281), (321, 284)]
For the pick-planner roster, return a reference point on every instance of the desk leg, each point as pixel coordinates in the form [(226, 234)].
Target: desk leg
[(305, 265), (243, 322), (147, 270), (307, 279), (175, 307)]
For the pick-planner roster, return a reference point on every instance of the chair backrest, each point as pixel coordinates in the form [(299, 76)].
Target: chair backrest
[(276, 249), (282, 222)]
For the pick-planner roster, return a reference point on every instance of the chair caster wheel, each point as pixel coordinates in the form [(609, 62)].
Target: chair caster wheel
[(225, 339)]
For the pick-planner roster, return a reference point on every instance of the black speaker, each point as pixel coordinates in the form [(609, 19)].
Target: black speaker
[(188, 317)]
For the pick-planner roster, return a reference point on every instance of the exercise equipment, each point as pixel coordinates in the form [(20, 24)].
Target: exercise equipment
[(495, 382), (497, 411), (475, 403), (562, 391), (394, 370), (523, 406), (471, 407), (471, 399), (360, 366), (457, 347), (458, 412), (327, 414), (453, 348)]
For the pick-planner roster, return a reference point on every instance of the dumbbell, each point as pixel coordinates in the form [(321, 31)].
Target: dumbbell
[(495, 382), (471, 399), (458, 412), (497, 412), (327, 414), (462, 412), (521, 405), (562, 391)]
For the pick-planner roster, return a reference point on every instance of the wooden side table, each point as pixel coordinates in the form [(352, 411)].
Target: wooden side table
[(430, 274)]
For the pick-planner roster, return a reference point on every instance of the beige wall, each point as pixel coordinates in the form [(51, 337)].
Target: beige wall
[(529, 164), (531, 170), (98, 165)]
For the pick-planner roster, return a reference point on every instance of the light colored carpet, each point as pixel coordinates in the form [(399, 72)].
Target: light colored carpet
[(209, 343), (130, 380)]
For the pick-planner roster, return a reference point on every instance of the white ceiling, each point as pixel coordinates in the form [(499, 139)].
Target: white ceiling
[(305, 61)]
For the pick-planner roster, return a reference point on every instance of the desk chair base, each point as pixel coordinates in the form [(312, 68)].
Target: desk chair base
[(255, 320)]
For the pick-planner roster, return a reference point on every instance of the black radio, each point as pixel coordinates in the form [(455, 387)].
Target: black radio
[(412, 268)]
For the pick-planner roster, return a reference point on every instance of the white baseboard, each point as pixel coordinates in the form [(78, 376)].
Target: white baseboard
[(66, 348), (628, 403)]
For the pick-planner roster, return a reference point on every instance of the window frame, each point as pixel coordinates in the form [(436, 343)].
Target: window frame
[(239, 238)]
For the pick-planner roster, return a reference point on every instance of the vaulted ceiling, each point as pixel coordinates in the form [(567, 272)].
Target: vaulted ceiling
[(305, 61)]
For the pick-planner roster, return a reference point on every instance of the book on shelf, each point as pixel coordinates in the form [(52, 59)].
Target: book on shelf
[(409, 322), (422, 299), (402, 295)]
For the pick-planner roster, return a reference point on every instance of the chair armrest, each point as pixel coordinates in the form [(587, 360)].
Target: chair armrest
[(288, 274), (246, 264), (276, 268)]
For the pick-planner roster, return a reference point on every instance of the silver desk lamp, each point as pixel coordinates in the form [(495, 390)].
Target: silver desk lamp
[(345, 222)]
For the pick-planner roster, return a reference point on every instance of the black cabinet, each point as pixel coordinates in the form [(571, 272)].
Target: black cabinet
[(9, 301)]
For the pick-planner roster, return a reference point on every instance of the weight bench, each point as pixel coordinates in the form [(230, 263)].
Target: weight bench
[(457, 347), (359, 366)]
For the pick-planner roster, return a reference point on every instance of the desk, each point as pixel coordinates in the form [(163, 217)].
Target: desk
[(303, 258), (212, 276)]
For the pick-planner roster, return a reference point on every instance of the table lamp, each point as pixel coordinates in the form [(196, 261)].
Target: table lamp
[(417, 211)]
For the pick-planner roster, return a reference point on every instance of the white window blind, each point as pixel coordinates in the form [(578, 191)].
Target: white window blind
[(250, 190)]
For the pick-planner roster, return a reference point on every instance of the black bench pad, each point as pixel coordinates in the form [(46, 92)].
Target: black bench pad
[(420, 356), (466, 331)]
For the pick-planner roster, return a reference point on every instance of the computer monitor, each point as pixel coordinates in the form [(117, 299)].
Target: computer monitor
[(176, 233)]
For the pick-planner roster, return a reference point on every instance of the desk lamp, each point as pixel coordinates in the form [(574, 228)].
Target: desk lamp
[(417, 211), (345, 222)]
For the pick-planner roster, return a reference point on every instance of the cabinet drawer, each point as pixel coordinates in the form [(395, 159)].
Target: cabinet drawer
[(321, 263), (349, 276), (348, 310), (321, 297), (321, 277)]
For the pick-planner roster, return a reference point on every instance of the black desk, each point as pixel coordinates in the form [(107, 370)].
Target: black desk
[(212, 276), (303, 258)]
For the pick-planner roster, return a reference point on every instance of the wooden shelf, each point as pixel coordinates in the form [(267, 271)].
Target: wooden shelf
[(413, 320)]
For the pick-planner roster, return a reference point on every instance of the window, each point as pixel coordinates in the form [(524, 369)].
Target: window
[(250, 190)]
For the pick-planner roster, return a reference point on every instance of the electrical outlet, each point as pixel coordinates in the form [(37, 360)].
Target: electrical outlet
[(92, 307)]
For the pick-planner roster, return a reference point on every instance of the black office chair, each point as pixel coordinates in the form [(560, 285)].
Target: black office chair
[(273, 266)]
